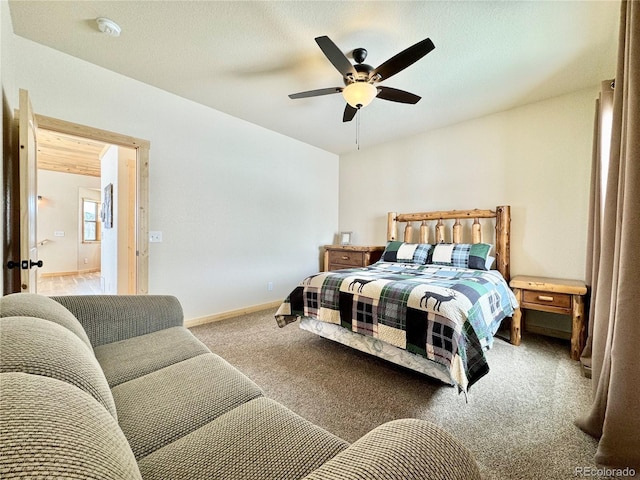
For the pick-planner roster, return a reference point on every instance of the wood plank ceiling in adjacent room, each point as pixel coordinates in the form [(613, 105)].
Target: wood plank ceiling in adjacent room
[(60, 152)]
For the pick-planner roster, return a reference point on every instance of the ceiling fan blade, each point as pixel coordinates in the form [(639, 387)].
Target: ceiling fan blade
[(336, 57), (316, 93), (403, 59), (349, 113), (395, 95)]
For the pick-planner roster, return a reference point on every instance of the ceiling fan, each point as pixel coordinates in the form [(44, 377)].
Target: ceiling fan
[(359, 79)]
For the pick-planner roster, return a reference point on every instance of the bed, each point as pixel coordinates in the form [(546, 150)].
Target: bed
[(431, 304)]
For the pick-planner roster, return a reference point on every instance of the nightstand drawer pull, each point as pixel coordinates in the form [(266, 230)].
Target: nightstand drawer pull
[(545, 298), (345, 257)]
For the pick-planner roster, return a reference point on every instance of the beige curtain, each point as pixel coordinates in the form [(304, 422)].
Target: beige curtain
[(601, 148), (614, 341)]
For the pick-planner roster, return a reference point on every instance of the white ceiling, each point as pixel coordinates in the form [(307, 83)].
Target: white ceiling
[(244, 58)]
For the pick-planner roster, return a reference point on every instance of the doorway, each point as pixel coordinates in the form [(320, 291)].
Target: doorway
[(132, 215), (81, 254)]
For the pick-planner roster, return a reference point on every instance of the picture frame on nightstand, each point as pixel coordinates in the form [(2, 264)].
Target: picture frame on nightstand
[(345, 238)]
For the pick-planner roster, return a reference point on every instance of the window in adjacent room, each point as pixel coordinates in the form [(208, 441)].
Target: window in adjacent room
[(90, 224)]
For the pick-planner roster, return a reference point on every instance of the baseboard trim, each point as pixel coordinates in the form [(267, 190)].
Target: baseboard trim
[(68, 274), (216, 317)]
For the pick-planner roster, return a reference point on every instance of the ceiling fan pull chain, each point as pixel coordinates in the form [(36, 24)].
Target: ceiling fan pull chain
[(358, 129)]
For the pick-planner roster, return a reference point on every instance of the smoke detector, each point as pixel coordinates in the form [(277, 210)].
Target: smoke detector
[(108, 27)]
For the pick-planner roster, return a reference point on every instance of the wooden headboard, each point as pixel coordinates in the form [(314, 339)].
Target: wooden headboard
[(455, 218)]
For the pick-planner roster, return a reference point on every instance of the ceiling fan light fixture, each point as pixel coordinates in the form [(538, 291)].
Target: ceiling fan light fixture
[(359, 94)]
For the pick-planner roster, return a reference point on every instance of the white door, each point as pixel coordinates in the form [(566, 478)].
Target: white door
[(28, 195)]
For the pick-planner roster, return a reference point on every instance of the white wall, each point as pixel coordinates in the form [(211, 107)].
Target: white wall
[(238, 205), (536, 158), (115, 241), (59, 211), (109, 175)]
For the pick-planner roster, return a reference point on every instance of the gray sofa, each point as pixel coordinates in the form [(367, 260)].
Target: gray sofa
[(114, 387)]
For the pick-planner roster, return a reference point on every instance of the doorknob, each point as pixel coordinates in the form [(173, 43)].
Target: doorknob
[(24, 264)]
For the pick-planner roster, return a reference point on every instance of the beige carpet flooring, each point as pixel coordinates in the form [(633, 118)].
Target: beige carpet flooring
[(518, 421)]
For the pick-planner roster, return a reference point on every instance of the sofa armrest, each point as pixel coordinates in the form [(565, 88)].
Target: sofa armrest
[(407, 449), (110, 318)]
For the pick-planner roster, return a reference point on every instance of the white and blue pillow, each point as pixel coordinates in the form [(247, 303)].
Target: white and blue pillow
[(402, 252), (463, 255)]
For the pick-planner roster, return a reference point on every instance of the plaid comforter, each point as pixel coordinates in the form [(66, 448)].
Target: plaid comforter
[(445, 314)]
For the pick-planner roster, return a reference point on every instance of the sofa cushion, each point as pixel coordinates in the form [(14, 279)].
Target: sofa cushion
[(410, 447), (40, 347), (158, 408), (258, 440), (50, 429), (111, 318), (132, 358), (39, 306)]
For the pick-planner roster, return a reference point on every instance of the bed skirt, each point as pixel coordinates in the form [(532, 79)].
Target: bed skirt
[(380, 349)]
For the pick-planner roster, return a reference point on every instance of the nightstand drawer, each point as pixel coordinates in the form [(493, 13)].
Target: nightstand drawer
[(346, 258), (339, 257), (551, 299)]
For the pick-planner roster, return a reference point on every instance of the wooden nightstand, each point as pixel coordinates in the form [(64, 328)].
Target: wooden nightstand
[(337, 257), (553, 295)]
